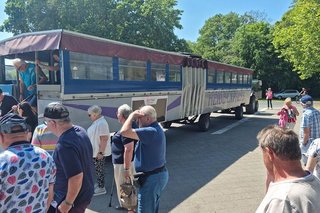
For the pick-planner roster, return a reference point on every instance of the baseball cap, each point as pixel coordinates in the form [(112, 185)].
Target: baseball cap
[(306, 99), (13, 123), (56, 110)]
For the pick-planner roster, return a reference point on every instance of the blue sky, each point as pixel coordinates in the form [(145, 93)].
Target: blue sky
[(196, 12)]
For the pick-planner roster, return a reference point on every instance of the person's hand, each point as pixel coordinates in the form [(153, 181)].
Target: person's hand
[(137, 114), (64, 208), (126, 174), (99, 156), (14, 108), (31, 87)]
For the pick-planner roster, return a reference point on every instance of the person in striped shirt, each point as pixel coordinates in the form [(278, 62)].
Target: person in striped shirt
[(44, 138)]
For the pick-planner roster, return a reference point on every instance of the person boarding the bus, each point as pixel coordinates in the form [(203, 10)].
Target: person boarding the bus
[(27, 78), (150, 157), (73, 189)]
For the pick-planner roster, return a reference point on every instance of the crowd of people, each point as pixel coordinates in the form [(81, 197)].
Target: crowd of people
[(55, 171), (292, 161)]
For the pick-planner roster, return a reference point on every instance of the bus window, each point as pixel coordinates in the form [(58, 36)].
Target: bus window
[(158, 72), (131, 70), (220, 77), (249, 79), (84, 66), (227, 77), (175, 73), (10, 73), (245, 79), (211, 76), (234, 78), (240, 76)]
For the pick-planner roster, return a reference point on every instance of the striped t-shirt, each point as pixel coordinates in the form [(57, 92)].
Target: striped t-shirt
[(44, 138)]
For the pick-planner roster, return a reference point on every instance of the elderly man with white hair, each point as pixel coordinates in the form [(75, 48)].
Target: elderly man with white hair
[(27, 78), (150, 156)]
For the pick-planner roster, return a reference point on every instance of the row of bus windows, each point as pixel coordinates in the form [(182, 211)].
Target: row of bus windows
[(220, 77), (91, 67)]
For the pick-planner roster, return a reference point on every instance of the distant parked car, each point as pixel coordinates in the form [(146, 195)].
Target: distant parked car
[(287, 93)]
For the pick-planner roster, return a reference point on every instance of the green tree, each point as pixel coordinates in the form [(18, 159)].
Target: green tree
[(150, 22), (252, 47), (297, 37)]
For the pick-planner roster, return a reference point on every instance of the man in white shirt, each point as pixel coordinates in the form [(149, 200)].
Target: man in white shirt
[(289, 187)]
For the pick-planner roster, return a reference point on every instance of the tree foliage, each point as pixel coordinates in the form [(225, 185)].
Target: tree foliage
[(297, 37), (143, 22)]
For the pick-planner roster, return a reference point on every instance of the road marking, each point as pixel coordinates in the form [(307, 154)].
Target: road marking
[(231, 126)]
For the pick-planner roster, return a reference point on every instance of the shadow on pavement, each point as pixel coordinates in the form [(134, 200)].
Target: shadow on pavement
[(195, 158)]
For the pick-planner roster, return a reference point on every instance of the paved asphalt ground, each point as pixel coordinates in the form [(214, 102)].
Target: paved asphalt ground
[(216, 171)]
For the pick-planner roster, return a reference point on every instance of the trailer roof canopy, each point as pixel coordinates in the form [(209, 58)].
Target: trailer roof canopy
[(77, 42)]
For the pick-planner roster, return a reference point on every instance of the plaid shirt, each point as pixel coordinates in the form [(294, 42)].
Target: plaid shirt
[(310, 119)]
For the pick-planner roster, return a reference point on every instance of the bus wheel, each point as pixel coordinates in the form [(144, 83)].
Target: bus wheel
[(239, 112), (166, 125), (250, 108), (204, 122), (256, 107)]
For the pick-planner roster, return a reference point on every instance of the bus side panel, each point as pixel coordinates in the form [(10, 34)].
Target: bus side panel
[(167, 107), (225, 99)]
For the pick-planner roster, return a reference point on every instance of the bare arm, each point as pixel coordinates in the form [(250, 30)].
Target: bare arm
[(127, 130), (50, 195), (103, 144), (74, 186), (312, 161), (41, 75), (306, 135), (127, 157)]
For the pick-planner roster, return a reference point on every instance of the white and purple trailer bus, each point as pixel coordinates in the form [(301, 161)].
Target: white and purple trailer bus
[(182, 88)]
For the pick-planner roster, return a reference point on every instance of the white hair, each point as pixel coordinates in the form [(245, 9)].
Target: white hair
[(150, 111), (124, 110), (95, 110), (18, 62)]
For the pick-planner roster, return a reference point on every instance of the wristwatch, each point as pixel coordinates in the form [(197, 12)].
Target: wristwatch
[(68, 203)]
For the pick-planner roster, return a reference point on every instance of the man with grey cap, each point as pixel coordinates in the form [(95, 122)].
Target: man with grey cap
[(309, 126), (74, 187), (27, 172)]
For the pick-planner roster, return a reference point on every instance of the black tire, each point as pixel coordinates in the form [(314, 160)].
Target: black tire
[(239, 112), (166, 124), (280, 97), (250, 108), (256, 107), (204, 122)]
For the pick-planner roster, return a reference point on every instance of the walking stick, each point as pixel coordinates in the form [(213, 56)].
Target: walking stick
[(112, 187)]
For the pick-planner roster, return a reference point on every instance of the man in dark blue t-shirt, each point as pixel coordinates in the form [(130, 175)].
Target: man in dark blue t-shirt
[(150, 157), (74, 186)]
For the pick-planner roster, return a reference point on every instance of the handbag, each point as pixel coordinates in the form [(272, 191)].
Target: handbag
[(128, 195)]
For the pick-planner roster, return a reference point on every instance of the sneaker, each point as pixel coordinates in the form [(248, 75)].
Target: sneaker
[(99, 191), (96, 185)]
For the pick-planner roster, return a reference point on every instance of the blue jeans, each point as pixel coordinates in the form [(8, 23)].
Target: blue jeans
[(149, 193)]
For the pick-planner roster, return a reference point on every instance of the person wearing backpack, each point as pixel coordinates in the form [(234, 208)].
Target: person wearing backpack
[(288, 115)]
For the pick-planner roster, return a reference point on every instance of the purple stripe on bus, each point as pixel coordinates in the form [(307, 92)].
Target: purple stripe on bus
[(110, 112), (174, 103)]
